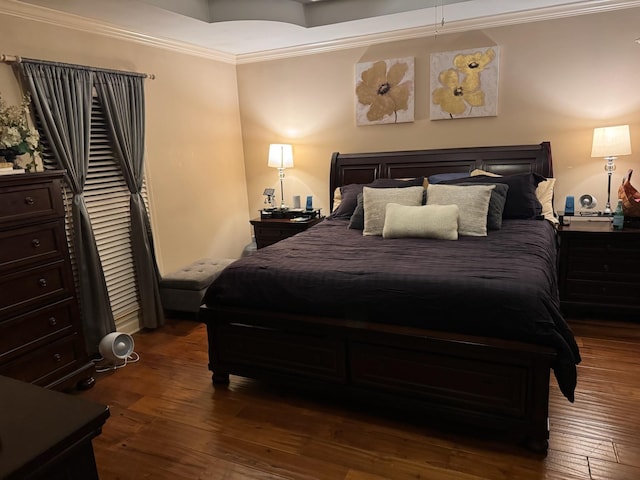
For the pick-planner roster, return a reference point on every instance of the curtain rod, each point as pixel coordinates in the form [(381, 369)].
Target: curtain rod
[(16, 59)]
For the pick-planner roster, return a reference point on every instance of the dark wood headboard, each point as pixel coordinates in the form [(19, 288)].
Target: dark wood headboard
[(349, 168)]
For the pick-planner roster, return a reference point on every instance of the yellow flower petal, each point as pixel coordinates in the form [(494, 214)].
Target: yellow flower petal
[(382, 107), (376, 75), (471, 82), (475, 99), (366, 94), (448, 101), (396, 73), (400, 95)]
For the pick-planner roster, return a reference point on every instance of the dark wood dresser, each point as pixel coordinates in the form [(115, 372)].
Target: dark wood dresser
[(599, 268), (41, 339), (46, 435)]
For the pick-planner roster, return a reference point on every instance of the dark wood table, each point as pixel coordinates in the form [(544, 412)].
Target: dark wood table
[(46, 434)]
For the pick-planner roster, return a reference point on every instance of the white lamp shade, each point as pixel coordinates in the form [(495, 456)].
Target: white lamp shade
[(280, 155), (116, 346), (611, 141)]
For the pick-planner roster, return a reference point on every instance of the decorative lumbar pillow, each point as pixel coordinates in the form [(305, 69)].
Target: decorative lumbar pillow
[(424, 221), (375, 202), (472, 201), (496, 205)]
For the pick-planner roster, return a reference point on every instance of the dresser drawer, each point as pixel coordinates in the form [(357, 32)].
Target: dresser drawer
[(34, 244), (27, 331), (35, 287), (45, 363), (27, 202)]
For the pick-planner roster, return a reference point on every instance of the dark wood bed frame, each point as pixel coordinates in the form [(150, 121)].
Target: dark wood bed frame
[(481, 383)]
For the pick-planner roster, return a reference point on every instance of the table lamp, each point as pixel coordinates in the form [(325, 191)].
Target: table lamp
[(281, 157), (609, 142)]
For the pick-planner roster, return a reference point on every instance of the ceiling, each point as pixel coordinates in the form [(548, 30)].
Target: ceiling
[(250, 29)]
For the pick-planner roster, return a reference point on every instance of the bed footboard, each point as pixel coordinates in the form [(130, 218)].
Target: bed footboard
[(491, 384)]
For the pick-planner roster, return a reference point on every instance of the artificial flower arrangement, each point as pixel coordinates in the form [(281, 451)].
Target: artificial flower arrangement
[(17, 137)]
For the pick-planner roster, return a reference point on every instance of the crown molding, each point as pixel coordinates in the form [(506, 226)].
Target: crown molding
[(53, 17), (67, 20), (542, 14)]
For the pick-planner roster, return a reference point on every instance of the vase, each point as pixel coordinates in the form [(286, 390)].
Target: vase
[(9, 157)]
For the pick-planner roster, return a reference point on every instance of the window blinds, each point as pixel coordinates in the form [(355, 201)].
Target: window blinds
[(107, 200)]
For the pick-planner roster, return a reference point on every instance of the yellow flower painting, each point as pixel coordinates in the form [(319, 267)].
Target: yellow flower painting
[(384, 91), (465, 83)]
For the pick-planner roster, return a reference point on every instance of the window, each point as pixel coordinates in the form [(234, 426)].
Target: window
[(107, 200)]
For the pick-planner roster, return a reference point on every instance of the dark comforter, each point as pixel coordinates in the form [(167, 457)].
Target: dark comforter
[(503, 285)]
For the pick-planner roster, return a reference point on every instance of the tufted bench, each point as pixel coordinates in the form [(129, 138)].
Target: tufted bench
[(184, 289)]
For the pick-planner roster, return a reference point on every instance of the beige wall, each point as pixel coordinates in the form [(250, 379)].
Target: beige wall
[(208, 131), (558, 80), (194, 149)]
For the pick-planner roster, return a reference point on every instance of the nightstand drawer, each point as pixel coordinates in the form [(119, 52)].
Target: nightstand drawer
[(34, 244), (26, 331), (604, 267), (35, 286), (603, 292), (270, 231), (598, 244), (36, 366)]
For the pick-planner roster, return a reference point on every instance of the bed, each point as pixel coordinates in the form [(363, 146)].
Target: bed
[(463, 333)]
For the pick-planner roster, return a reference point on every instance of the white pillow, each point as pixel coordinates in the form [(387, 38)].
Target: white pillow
[(544, 193), (473, 203), (337, 198), (424, 221), (477, 172), (375, 204)]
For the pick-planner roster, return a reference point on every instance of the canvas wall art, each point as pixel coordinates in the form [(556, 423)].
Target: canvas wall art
[(464, 83), (384, 91)]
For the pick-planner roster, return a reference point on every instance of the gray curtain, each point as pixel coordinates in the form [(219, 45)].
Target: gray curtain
[(122, 97), (61, 96)]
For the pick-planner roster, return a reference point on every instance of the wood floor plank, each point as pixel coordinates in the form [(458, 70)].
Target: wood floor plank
[(169, 422), (603, 470)]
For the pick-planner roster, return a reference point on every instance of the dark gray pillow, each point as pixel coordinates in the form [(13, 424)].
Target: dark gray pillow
[(350, 193), (357, 219), (496, 204), (522, 201)]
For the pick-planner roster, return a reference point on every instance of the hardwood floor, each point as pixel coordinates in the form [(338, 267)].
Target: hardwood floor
[(168, 422)]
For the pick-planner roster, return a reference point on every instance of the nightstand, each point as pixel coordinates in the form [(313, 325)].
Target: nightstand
[(599, 268), (272, 230)]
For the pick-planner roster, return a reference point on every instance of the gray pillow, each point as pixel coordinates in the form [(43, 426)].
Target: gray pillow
[(375, 202), (472, 200), (496, 204)]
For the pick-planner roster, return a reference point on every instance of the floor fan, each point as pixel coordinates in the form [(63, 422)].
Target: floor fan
[(117, 349)]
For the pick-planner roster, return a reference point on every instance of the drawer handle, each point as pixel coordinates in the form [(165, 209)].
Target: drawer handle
[(29, 200), (35, 242), (57, 357), (52, 321), (42, 282)]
